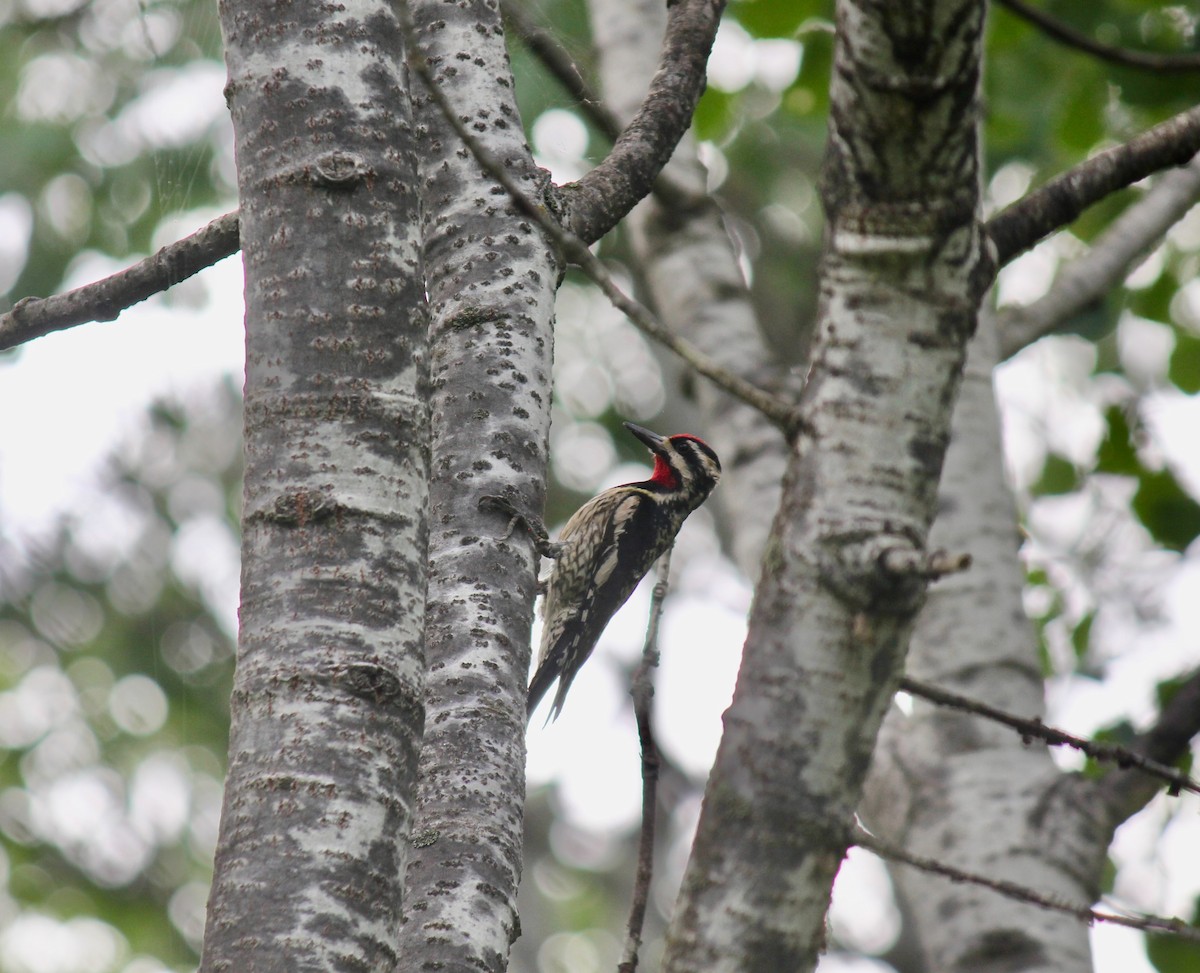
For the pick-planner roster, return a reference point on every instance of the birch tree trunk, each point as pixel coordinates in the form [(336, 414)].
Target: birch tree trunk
[(845, 568), (327, 699), (952, 787), (492, 278)]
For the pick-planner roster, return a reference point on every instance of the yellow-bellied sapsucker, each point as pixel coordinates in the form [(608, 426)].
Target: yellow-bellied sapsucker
[(607, 547)]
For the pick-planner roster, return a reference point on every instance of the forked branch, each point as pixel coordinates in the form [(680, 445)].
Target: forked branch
[(778, 410)]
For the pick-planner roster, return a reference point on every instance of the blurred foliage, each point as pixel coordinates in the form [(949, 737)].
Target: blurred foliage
[(115, 673), (1170, 954), (109, 126), (113, 122)]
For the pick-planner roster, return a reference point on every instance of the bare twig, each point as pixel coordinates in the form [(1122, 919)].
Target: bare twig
[(1063, 198), (1089, 278), (546, 48), (1022, 893), (1033, 729), (1068, 35), (642, 692), (778, 410), (104, 299)]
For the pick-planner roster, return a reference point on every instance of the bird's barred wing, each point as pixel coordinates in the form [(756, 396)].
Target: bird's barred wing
[(591, 553), (605, 555)]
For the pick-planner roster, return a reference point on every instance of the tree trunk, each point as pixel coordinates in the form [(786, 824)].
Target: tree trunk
[(492, 278), (327, 714)]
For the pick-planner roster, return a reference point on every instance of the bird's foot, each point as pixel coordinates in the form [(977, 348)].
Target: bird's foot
[(530, 522)]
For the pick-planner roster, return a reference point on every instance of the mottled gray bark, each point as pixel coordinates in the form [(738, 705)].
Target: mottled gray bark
[(327, 696), (492, 278), (845, 569), (690, 266), (950, 786)]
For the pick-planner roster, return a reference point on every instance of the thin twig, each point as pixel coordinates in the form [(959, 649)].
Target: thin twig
[(1032, 729), (1018, 227), (1070, 36), (1022, 893), (554, 58), (642, 692), (104, 299), (779, 411)]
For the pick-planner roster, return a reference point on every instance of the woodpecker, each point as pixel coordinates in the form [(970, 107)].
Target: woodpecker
[(607, 547)]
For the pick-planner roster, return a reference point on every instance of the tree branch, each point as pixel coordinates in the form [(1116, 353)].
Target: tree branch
[(642, 692), (1019, 226), (1122, 246), (778, 410), (1124, 757), (104, 299), (605, 195), (1022, 893), (1068, 35), (554, 58), (1127, 791)]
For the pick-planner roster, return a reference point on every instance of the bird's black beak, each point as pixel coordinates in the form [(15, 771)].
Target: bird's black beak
[(653, 440)]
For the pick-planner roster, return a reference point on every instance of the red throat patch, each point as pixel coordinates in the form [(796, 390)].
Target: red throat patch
[(663, 474)]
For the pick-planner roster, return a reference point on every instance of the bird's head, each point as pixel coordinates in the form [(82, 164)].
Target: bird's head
[(682, 463)]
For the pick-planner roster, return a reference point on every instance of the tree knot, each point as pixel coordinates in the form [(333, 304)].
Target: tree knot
[(885, 570)]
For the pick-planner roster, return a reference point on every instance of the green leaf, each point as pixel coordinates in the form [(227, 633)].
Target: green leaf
[(715, 115), (1121, 733), (1167, 510), (1154, 302), (1184, 370), (1108, 876), (1081, 635), (1082, 118), (1093, 322), (1108, 355), (1058, 476), (1170, 954), (815, 69), (770, 18), (1117, 453)]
